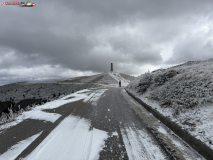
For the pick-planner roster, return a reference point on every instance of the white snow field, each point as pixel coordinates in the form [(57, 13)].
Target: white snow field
[(184, 93), (15, 150), (71, 138)]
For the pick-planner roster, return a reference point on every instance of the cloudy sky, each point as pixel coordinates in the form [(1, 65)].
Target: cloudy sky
[(68, 38)]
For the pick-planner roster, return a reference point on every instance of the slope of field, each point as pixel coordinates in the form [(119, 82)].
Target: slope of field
[(21, 95), (184, 93)]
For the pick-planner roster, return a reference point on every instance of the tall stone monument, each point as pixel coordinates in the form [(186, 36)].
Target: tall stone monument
[(111, 67)]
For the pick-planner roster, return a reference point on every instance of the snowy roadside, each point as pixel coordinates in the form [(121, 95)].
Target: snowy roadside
[(198, 121), (202, 130), (183, 93), (37, 113), (172, 142)]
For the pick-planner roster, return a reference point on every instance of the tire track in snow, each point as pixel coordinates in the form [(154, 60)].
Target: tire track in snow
[(88, 146), (72, 138), (133, 131), (139, 144), (45, 133), (94, 97)]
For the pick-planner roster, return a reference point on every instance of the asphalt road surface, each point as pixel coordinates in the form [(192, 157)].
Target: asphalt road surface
[(124, 134)]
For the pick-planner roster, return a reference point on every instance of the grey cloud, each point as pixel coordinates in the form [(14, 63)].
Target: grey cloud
[(146, 9), (58, 50), (135, 50), (83, 35), (192, 49)]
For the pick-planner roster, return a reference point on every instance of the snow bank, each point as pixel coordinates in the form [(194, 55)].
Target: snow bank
[(184, 93)]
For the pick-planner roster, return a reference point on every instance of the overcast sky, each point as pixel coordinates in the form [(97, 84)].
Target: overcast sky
[(68, 38)]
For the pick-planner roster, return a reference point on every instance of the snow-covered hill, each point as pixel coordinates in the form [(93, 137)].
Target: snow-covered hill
[(118, 77), (110, 79), (183, 93), (28, 93)]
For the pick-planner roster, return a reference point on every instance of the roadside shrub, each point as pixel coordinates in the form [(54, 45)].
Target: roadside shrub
[(162, 77), (3, 118), (183, 92), (145, 82)]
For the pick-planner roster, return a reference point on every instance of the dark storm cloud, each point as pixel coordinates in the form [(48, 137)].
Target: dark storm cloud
[(89, 35), (118, 10), (55, 49), (194, 50), (195, 47)]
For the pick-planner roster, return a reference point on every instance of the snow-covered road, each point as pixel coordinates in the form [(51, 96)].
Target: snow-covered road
[(71, 139), (90, 124)]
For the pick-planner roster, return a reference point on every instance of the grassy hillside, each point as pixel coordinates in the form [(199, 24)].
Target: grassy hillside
[(184, 93)]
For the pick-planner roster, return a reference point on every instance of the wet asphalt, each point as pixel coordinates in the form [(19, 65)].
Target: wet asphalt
[(111, 114)]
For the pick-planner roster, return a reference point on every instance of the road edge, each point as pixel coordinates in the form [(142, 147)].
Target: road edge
[(196, 144)]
